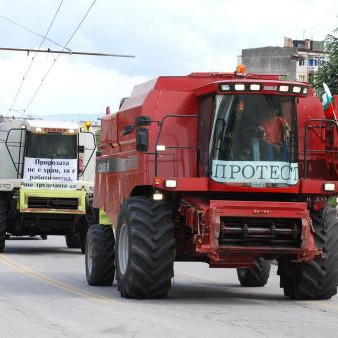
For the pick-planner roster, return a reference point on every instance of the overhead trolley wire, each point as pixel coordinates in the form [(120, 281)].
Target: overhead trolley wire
[(56, 59), (33, 32), (33, 58)]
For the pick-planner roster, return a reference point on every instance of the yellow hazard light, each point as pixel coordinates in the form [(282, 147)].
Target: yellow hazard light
[(87, 125), (241, 69)]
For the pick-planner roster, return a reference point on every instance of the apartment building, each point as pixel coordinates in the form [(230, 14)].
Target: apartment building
[(296, 60)]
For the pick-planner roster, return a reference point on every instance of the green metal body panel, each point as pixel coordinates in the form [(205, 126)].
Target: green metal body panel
[(51, 198), (104, 218)]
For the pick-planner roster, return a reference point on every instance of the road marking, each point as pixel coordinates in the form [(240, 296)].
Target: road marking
[(60, 285)]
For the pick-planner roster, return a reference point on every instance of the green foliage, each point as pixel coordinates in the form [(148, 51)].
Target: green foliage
[(332, 201), (328, 72)]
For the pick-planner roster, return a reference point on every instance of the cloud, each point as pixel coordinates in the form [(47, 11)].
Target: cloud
[(168, 37), (70, 88)]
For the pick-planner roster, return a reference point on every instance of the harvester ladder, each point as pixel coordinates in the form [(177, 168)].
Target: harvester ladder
[(329, 139), (20, 145)]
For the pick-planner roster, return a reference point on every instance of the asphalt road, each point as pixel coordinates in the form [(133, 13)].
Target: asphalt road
[(44, 293)]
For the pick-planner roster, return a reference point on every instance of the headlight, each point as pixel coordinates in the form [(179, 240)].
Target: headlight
[(6, 187), (329, 187), (170, 183)]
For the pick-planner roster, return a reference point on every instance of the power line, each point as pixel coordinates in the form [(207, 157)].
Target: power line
[(33, 58), (31, 31), (56, 59)]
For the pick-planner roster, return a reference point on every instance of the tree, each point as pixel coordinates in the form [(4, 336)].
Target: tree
[(328, 71)]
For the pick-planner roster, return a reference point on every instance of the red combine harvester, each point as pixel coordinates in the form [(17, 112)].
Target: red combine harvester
[(230, 169)]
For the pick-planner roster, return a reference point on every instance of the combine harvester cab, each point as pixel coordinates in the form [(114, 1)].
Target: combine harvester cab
[(46, 180), (230, 169)]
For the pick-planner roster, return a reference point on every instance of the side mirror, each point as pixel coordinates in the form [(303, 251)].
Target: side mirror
[(127, 130), (81, 149), (142, 135), (142, 121)]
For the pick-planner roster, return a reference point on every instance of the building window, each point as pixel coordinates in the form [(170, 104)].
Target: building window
[(313, 62), (302, 62), (302, 78)]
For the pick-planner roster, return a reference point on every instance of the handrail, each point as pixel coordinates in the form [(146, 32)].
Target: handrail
[(306, 140), (159, 134)]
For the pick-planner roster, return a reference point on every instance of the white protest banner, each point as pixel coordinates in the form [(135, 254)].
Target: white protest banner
[(257, 172), (59, 171)]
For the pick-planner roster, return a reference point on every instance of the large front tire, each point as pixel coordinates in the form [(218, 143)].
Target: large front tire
[(316, 279), (99, 255), (145, 246), (3, 221), (257, 276)]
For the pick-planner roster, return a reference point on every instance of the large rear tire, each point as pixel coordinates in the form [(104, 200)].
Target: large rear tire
[(3, 221), (99, 255), (145, 247), (257, 276), (316, 279)]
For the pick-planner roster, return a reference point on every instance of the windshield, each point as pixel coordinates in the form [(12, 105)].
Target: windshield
[(51, 146), (253, 140)]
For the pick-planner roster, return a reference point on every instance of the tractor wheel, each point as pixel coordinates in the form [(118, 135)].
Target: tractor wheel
[(257, 276), (145, 246), (73, 240), (3, 221), (99, 255), (316, 279)]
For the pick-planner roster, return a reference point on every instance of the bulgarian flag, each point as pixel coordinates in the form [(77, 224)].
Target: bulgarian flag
[(329, 112)]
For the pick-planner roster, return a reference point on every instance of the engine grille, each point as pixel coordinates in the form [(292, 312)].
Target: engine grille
[(53, 203), (260, 231)]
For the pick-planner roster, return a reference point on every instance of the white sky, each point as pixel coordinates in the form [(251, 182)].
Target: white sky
[(167, 37)]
